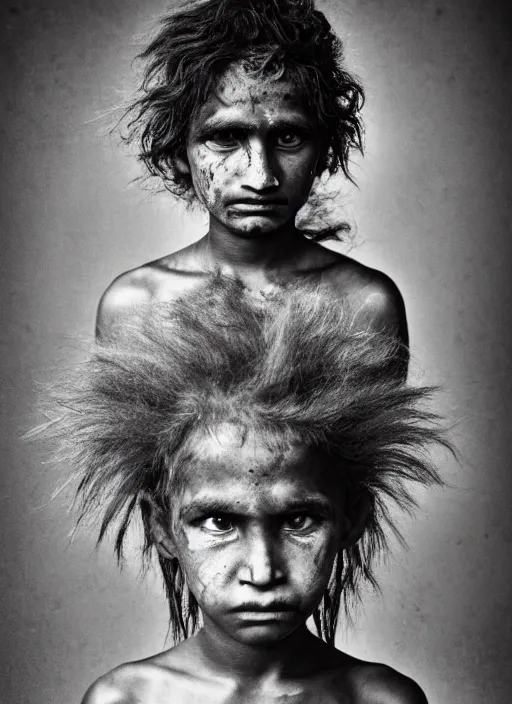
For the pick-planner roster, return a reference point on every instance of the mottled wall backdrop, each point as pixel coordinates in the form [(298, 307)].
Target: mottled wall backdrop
[(433, 210)]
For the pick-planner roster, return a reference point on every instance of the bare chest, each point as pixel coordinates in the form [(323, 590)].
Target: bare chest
[(190, 692), (261, 286)]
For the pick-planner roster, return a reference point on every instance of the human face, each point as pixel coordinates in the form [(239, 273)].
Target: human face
[(252, 153), (255, 530)]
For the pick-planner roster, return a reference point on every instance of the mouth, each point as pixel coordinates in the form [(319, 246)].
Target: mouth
[(258, 201), (262, 617), (255, 613), (257, 205), (275, 607)]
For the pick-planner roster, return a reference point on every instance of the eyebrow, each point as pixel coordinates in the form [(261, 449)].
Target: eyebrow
[(204, 506), (217, 124)]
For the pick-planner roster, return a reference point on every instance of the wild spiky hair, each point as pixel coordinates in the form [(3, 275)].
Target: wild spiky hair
[(297, 367), (199, 40)]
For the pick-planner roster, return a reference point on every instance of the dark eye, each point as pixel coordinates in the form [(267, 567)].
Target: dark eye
[(299, 522), (225, 139), (216, 524), (289, 140)]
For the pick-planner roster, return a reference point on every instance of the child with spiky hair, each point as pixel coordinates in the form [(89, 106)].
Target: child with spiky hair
[(261, 446), (242, 105)]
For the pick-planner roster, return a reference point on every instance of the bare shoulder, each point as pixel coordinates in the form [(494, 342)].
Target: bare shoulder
[(380, 684), (112, 688), (349, 679), (371, 287), (145, 681), (169, 677), (373, 295), (160, 280)]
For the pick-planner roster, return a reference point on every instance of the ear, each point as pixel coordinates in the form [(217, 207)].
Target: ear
[(158, 525), (357, 512), (181, 164)]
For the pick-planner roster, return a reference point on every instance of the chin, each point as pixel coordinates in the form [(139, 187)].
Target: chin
[(255, 229), (264, 634), (260, 637)]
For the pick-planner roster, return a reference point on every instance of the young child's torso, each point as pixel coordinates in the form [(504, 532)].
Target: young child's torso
[(369, 293), (179, 676)]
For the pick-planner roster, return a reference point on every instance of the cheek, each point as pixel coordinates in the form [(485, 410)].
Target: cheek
[(212, 172), (204, 574), (204, 566), (301, 173), (203, 176), (311, 563)]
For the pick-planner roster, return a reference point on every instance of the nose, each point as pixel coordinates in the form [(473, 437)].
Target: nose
[(261, 566), (261, 173)]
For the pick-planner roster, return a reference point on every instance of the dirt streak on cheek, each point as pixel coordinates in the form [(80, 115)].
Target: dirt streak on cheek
[(234, 164), (208, 578), (216, 178), (205, 174)]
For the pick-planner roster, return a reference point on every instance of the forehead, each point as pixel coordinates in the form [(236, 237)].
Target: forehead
[(232, 465), (241, 94)]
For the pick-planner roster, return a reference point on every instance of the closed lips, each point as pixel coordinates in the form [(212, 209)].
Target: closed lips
[(258, 202), (270, 608)]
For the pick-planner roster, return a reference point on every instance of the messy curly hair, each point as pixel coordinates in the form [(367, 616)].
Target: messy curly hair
[(196, 44), (299, 368)]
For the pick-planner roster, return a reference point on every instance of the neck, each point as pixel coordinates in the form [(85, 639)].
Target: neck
[(270, 252), (293, 655)]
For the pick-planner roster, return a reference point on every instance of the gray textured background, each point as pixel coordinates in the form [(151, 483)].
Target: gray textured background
[(433, 210)]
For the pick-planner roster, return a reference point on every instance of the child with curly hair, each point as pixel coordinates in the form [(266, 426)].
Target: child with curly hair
[(242, 105)]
